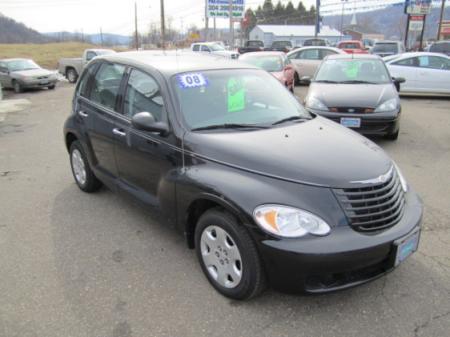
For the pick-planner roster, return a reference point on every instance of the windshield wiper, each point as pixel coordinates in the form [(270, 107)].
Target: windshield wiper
[(357, 82), (292, 118), (230, 126), (325, 81)]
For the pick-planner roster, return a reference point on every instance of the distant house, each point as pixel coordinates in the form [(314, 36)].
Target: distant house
[(294, 33), (359, 34)]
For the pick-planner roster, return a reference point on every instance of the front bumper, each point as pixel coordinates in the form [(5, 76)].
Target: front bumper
[(343, 259), (37, 84), (380, 124)]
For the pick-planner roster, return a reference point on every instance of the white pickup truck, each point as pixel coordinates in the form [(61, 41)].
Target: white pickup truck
[(214, 48), (71, 68)]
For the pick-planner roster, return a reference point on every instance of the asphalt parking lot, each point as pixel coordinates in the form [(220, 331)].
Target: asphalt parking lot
[(76, 264)]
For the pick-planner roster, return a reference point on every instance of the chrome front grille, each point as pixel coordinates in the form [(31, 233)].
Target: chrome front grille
[(375, 207)]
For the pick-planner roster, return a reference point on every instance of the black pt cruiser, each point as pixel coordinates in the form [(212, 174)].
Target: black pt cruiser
[(263, 190)]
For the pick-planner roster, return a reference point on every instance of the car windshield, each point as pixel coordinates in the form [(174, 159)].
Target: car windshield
[(385, 48), (270, 63), (244, 97), (314, 43), (281, 44), (255, 44), (216, 47), (353, 71), (440, 48), (19, 65), (350, 45)]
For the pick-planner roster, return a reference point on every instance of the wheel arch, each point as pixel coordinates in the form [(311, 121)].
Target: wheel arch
[(199, 206), (69, 139)]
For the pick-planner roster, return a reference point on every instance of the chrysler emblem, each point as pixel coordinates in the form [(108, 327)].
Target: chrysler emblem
[(351, 110), (379, 180)]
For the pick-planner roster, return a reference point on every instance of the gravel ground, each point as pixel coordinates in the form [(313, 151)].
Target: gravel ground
[(74, 264)]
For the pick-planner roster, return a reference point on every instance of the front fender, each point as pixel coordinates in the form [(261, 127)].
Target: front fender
[(240, 192)]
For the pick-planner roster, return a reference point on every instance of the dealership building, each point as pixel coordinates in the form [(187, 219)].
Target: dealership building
[(294, 33)]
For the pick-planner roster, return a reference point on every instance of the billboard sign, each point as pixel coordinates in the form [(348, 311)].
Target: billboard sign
[(418, 7), (416, 23), (221, 8)]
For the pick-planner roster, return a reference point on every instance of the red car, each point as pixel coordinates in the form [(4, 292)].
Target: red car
[(276, 63), (352, 47)]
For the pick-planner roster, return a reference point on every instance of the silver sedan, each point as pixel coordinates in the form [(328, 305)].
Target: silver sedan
[(21, 74)]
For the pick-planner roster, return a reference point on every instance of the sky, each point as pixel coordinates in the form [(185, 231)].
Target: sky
[(114, 16), (117, 16)]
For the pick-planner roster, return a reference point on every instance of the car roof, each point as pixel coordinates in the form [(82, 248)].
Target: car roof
[(317, 47), (16, 59), (415, 54), (353, 56), (386, 41), (263, 53), (173, 62), (351, 41)]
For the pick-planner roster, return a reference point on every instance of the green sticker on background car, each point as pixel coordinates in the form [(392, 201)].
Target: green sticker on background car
[(351, 71), (236, 95)]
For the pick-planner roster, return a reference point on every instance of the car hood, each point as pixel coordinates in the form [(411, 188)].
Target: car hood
[(317, 152), (352, 95), (33, 72)]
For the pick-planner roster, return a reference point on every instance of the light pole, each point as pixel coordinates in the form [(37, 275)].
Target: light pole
[(342, 17)]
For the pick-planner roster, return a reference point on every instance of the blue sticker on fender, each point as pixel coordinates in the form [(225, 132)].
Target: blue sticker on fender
[(192, 80)]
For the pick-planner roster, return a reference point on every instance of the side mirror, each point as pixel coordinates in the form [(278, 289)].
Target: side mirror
[(145, 121), (399, 79), (305, 79)]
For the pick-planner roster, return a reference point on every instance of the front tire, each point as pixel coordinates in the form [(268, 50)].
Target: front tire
[(392, 136), (17, 87), (82, 173), (52, 87), (228, 255), (71, 75)]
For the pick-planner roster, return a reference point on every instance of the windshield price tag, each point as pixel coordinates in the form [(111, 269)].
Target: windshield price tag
[(192, 80)]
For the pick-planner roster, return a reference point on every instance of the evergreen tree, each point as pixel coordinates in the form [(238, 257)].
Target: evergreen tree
[(301, 14), (290, 13), (268, 12)]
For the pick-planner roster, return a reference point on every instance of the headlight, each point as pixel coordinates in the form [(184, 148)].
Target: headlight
[(316, 104), (289, 222), (389, 105), (401, 178)]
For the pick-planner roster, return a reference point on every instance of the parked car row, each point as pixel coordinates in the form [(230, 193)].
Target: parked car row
[(266, 191)]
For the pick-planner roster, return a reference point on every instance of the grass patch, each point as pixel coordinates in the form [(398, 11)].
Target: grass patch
[(46, 55)]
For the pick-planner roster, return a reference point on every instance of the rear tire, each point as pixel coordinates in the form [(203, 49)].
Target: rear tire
[(82, 173), (17, 87), (52, 87), (71, 75), (229, 257), (296, 79)]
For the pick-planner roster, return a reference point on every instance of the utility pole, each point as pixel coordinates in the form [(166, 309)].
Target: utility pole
[(101, 36), (406, 33), (215, 33), (342, 18), (440, 20), (136, 36), (163, 27), (317, 28), (231, 23), (421, 34), (206, 21)]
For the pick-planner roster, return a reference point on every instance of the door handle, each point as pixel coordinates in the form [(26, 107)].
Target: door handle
[(119, 132), (82, 113)]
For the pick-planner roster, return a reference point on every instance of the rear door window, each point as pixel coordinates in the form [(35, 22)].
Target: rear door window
[(196, 47), (325, 52), (105, 86), (409, 62), (310, 54), (205, 48)]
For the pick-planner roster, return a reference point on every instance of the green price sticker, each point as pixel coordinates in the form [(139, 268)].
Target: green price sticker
[(236, 95), (351, 70)]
